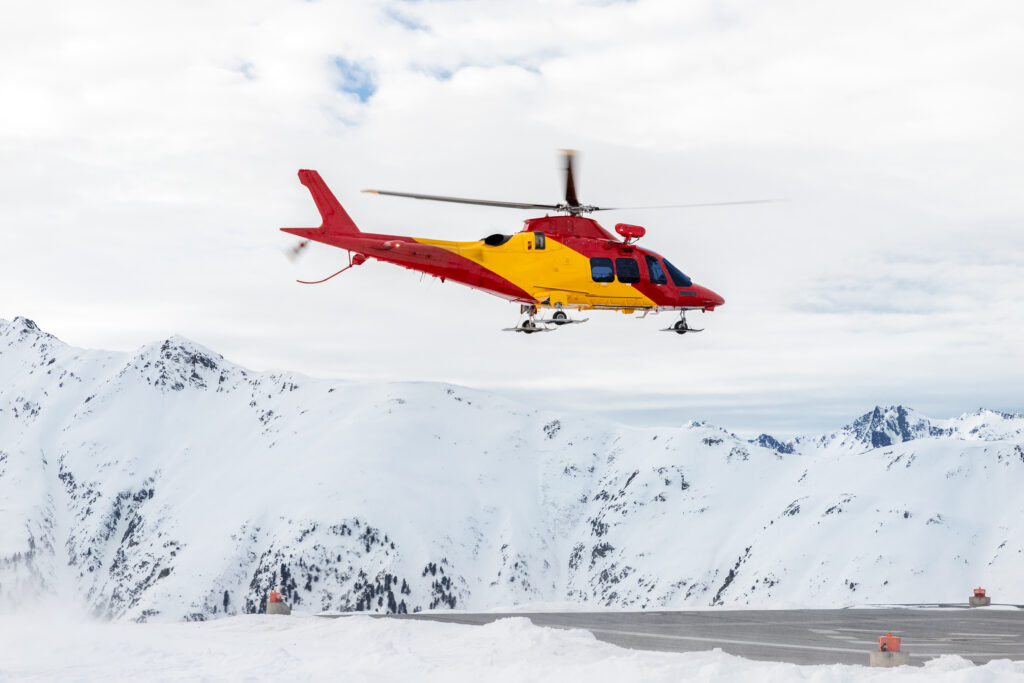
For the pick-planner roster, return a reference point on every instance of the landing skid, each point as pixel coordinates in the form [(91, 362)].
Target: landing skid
[(680, 326), (528, 330), (533, 324), (562, 321), (542, 325)]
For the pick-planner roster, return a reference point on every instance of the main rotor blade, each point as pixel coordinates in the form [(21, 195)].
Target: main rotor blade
[(461, 200), (687, 206), (570, 184)]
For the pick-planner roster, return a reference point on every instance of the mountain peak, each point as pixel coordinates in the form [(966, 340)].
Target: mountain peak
[(25, 323), (178, 362), (20, 325), (889, 425), (22, 329), (1002, 414), (770, 442)]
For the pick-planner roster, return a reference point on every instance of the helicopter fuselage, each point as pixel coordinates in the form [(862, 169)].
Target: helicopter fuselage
[(555, 261)]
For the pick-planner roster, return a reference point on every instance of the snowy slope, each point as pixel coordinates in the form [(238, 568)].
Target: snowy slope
[(173, 484)]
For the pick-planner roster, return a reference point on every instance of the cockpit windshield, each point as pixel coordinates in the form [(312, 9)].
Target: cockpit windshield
[(679, 278)]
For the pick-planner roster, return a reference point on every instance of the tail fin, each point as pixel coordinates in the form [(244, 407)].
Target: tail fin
[(335, 220)]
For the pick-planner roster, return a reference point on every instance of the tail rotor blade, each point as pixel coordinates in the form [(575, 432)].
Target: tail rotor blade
[(294, 252)]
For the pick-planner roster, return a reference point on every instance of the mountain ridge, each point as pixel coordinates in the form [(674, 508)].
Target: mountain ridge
[(170, 483)]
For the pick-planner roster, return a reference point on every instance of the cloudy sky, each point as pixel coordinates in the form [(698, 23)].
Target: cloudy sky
[(148, 154)]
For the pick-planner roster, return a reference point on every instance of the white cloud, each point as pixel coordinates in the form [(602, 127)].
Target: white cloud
[(149, 154)]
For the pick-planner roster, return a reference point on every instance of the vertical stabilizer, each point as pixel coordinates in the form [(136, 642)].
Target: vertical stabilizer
[(335, 220)]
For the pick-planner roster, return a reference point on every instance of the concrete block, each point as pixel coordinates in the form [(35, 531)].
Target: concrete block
[(975, 601), (278, 608), (879, 658)]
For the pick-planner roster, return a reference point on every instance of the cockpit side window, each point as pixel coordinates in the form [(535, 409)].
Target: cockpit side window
[(538, 238), (678, 277), (655, 271)]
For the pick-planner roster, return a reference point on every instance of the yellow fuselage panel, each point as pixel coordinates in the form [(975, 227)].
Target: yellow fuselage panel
[(555, 272)]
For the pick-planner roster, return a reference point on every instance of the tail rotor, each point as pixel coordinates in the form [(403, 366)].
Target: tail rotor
[(295, 251)]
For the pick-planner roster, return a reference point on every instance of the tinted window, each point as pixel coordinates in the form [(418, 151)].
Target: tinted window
[(539, 240), (678, 277), (655, 271), (601, 270), (628, 270)]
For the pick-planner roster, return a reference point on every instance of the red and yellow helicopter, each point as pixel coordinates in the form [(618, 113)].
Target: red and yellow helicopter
[(561, 262)]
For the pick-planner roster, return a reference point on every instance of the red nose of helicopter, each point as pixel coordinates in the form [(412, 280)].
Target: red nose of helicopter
[(710, 298)]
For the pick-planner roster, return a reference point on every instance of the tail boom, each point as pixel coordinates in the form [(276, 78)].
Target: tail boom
[(339, 230)]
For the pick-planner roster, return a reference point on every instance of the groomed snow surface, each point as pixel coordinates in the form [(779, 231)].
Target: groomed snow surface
[(358, 648)]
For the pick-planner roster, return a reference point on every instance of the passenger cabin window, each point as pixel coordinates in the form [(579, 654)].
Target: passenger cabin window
[(601, 270), (627, 269), (538, 239), (655, 271), (678, 277)]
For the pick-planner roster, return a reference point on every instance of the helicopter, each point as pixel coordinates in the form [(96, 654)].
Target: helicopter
[(563, 262)]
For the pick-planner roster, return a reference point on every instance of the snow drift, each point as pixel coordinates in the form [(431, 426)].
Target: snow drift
[(261, 648)]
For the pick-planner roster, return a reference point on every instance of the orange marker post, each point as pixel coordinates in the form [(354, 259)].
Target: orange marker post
[(889, 643), (889, 652), (276, 603), (980, 598)]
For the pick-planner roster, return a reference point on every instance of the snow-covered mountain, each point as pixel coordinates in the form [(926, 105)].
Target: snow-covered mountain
[(170, 484), (892, 425)]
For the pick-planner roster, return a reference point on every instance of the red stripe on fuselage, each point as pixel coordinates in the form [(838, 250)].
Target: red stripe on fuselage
[(427, 258), (667, 295)]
